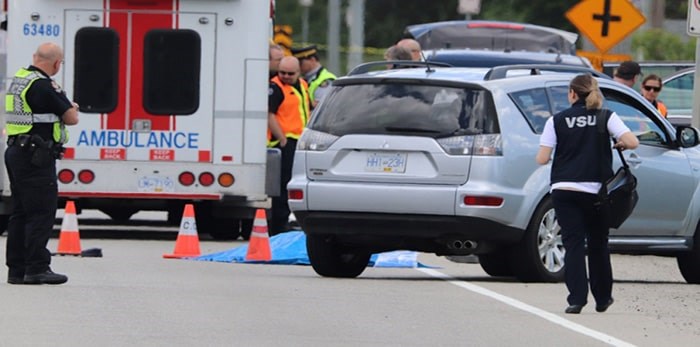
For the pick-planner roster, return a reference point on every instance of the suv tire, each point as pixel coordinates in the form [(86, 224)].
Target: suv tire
[(539, 256), (329, 259), (497, 263), (689, 262)]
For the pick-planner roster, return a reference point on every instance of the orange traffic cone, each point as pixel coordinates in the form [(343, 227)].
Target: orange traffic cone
[(69, 239), (187, 243), (259, 244)]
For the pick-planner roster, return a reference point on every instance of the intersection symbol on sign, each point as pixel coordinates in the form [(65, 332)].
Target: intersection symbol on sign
[(606, 18), (605, 22)]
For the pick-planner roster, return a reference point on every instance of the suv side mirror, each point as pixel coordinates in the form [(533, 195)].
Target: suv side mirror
[(687, 136)]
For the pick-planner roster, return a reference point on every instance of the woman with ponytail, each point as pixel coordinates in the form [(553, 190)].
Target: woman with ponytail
[(575, 181)]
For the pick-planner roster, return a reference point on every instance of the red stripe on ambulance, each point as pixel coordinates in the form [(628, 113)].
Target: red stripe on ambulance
[(130, 105)]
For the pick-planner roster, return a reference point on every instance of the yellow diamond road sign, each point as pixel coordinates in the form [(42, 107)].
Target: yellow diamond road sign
[(605, 22)]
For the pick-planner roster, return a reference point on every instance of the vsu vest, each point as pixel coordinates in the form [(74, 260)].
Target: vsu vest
[(577, 156)]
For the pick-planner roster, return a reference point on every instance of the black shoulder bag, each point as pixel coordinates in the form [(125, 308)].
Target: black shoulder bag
[(617, 196)]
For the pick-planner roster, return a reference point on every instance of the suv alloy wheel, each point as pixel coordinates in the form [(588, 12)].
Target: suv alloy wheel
[(539, 257)]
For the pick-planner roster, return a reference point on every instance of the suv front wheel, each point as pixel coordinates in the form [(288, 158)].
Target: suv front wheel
[(330, 259), (539, 256), (689, 262)]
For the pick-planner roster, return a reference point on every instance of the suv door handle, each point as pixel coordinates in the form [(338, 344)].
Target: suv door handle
[(634, 159)]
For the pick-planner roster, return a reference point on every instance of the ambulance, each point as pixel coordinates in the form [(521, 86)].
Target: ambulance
[(173, 105)]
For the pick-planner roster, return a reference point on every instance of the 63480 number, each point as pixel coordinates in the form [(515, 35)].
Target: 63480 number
[(33, 29)]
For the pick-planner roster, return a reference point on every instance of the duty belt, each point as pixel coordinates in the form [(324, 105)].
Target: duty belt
[(21, 140)]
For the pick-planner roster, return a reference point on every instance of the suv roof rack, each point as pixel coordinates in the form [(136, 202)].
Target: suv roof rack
[(499, 72), (362, 68)]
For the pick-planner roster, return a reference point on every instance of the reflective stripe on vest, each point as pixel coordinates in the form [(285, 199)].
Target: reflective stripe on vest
[(19, 117), (323, 75), (293, 113)]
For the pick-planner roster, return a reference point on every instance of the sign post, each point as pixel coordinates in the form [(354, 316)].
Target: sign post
[(694, 30)]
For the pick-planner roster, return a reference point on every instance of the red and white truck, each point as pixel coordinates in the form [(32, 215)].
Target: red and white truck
[(173, 104)]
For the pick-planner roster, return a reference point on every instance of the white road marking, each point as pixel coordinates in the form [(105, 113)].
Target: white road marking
[(529, 309)]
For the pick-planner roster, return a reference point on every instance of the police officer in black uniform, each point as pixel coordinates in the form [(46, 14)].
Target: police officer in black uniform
[(575, 180), (37, 111)]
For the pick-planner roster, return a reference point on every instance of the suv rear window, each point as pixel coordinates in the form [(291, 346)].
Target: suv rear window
[(411, 109)]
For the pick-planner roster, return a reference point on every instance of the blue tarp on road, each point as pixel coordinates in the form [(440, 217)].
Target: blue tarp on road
[(290, 248)]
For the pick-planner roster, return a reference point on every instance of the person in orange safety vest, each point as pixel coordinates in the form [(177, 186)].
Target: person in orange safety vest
[(288, 112)]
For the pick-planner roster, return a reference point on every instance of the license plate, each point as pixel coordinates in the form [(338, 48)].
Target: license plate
[(151, 184), (386, 162)]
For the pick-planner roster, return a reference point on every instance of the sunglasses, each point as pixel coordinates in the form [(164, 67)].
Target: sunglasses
[(650, 88), (286, 73)]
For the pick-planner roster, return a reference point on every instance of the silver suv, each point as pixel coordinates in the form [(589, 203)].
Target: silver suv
[(441, 160)]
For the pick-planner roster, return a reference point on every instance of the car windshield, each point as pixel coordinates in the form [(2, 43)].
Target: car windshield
[(396, 108)]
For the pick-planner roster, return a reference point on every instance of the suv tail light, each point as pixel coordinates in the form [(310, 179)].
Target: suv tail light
[(295, 194), (312, 140), (486, 145), (483, 200)]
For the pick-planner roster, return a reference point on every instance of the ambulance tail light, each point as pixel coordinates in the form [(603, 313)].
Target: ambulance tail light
[(66, 176), (86, 176), (226, 179), (206, 179), (186, 178)]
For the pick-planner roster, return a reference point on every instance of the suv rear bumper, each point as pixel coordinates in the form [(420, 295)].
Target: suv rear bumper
[(426, 233)]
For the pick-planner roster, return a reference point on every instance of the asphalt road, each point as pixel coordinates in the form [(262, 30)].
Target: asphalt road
[(132, 296)]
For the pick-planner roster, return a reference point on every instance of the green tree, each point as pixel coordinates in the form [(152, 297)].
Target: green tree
[(676, 9), (290, 12), (541, 12), (385, 20), (659, 45)]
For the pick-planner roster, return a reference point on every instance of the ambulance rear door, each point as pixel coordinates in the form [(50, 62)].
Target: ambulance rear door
[(144, 80)]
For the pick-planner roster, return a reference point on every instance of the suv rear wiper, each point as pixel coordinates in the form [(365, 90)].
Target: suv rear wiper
[(411, 130), (436, 133), (460, 132)]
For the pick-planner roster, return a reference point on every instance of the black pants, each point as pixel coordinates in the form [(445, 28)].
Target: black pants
[(581, 228), (280, 207), (34, 197)]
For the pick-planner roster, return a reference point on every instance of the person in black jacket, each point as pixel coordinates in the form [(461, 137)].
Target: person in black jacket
[(575, 178), (36, 113)]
